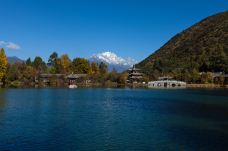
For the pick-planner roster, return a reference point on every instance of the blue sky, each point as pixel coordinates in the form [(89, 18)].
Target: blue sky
[(129, 28)]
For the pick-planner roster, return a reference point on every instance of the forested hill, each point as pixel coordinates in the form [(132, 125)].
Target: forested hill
[(202, 47)]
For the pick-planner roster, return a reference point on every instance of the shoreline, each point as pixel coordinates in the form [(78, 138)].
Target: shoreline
[(132, 86), (213, 86)]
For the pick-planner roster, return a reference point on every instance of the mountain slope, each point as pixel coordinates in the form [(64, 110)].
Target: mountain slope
[(113, 61), (203, 47), (12, 60)]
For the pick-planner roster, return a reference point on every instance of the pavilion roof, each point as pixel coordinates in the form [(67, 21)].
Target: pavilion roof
[(75, 76)]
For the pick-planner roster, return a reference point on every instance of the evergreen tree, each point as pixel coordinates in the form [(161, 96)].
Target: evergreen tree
[(103, 68), (39, 64), (28, 62), (53, 59)]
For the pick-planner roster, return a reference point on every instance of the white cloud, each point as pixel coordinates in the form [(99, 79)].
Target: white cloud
[(9, 45), (2, 43)]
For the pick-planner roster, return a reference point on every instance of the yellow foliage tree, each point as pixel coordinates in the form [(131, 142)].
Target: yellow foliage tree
[(3, 64), (65, 62), (94, 68)]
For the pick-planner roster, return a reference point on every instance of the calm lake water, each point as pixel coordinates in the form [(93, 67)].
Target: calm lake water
[(113, 119)]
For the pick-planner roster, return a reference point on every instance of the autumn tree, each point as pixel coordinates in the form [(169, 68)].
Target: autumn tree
[(65, 63), (121, 79), (3, 64), (112, 76), (94, 68), (80, 65), (20, 74), (13, 72)]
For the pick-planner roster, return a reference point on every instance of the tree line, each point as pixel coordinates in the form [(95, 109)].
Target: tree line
[(23, 74)]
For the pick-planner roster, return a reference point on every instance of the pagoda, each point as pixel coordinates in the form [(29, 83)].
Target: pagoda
[(134, 76)]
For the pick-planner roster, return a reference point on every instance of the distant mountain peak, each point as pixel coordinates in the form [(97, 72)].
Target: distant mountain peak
[(14, 59), (113, 61)]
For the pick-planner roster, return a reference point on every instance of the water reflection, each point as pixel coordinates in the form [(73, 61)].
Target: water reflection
[(2, 99), (2, 103)]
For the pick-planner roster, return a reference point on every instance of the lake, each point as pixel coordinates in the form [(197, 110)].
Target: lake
[(114, 119)]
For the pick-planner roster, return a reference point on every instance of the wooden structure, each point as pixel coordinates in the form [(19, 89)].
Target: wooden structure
[(46, 79), (134, 76), (73, 77), (219, 77), (63, 79)]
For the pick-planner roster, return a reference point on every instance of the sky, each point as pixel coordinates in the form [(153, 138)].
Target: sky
[(81, 28)]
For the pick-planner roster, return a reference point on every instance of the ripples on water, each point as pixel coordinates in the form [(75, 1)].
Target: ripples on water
[(113, 119)]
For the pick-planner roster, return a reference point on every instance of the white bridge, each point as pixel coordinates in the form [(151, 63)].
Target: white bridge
[(166, 82)]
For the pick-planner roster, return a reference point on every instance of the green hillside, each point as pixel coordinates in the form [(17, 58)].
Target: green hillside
[(202, 48)]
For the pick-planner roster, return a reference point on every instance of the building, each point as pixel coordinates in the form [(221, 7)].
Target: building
[(134, 76), (217, 77), (166, 82), (48, 79), (58, 79), (72, 79)]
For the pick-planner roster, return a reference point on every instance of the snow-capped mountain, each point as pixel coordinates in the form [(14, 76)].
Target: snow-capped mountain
[(113, 61)]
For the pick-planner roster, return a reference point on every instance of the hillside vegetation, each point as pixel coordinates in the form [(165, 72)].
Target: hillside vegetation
[(200, 48)]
